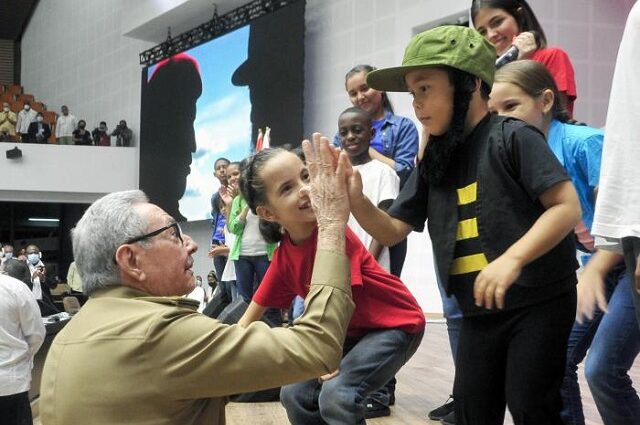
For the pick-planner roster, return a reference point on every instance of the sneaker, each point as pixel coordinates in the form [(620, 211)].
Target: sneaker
[(373, 409), (440, 412), (450, 419)]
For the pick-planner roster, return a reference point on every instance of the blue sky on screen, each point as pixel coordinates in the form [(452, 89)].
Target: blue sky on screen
[(223, 123)]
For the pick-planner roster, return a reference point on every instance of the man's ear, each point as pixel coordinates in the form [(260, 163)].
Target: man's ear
[(265, 213), (548, 99), (127, 260)]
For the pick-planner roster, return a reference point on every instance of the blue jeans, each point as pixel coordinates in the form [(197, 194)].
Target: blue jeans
[(453, 315), (249, 273), (368, 364), (631, 248), (613, 341)]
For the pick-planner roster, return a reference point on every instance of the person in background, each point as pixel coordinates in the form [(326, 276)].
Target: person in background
[(218, 218), (41, 284), (123, 134), (139, 296), (8, 120), (21, 335), (65, 125), (39, 131), (25, 117), (100, 135), (507, 23), (18, 270), (7, 252), (73, 279), (81, 136)]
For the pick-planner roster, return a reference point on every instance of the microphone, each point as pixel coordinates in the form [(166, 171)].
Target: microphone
[(512, 52)]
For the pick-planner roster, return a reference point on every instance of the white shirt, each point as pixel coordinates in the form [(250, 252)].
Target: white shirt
[(229, 272), (198, 295), (21, 335), (66, 125), (379, 183), (24, 119), (253, 244), (617, 212)]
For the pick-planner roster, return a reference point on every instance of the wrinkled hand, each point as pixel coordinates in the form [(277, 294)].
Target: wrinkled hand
[(526, 44), (494, 280), (591, 294), (328, 376), (327, 188)]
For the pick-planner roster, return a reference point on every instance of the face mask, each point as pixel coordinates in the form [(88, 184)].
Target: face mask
[(6, 109), (103, 128), (81, 126), (33, 258), (27, 107), (8, 255), (39, 119)]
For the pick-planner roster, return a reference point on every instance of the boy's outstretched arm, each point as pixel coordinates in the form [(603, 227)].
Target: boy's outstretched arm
[(561, 216)]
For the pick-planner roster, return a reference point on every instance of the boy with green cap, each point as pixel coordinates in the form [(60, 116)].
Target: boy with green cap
[(500, 211)]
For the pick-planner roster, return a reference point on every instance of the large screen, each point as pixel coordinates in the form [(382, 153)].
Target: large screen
[(209, 102)]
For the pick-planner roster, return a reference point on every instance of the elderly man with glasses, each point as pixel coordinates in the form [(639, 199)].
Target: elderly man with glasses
[(138, 353)]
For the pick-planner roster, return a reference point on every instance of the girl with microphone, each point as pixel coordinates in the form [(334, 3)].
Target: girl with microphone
[(512, 23)]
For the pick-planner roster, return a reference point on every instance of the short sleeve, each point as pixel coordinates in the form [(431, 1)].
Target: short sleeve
[(590, 158), (389, 183), (536, 167), (411, 204)]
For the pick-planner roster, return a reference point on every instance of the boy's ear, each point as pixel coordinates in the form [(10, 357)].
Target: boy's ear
[(265, 213)]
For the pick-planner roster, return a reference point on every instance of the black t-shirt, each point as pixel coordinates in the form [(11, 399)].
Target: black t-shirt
[(537, 170)]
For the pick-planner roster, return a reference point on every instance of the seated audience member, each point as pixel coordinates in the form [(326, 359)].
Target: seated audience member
[(22, 255), (18, 270), (41, 284), (7, 252), (161, 362), (100, 135), (39, 131), (8, 120), (123, 134), (25, 117), (65, 125), (73, 279), (6, 137), (21, 335), (81, 136)]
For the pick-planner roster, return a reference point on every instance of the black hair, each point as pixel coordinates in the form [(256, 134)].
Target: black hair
[(356, 110), (215, 164), (440, 150), (254, 191), (18, 270), (386, 103), (103, 122), (519, 9)]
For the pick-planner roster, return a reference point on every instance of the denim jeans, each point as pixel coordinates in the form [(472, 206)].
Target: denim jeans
[(368, 363), (631, 248), (218, 264), (249, 273), (613, 341)]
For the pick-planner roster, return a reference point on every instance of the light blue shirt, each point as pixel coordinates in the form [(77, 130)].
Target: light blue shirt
[(579, 150)]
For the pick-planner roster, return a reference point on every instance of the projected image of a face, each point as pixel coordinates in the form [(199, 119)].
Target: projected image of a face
[(209, 101)]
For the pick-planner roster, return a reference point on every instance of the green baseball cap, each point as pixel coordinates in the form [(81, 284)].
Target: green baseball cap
[(449, 45)]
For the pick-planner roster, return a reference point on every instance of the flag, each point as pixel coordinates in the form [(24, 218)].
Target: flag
[(259, 141), (266, 141)]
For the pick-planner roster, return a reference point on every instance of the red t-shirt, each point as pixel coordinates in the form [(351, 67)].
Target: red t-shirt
[(382, 300), (558, 63)]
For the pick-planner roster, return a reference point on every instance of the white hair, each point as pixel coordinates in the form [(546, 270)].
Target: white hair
[(108, 223)]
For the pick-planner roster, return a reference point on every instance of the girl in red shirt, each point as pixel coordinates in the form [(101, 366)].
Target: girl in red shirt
[(387, 324)]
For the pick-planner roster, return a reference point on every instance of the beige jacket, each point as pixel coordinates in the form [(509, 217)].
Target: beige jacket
[(127, 358)]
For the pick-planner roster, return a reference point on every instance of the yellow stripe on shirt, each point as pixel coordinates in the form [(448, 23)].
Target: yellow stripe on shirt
[(468, 264), (467, 194), (467, 229)]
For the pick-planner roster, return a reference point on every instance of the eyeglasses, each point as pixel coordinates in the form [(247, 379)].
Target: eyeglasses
[(175, 226)]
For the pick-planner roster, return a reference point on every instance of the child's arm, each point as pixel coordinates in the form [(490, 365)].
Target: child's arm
[(561, 216), (237, 216), (591, 283), (254, 313), (375, 247)]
